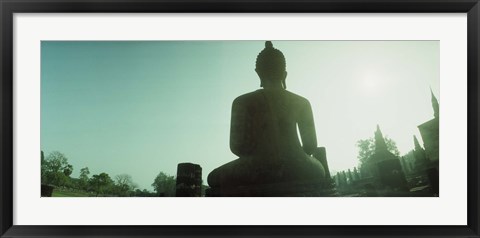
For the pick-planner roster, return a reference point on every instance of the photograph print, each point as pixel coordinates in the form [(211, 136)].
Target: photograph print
[(240, 118)]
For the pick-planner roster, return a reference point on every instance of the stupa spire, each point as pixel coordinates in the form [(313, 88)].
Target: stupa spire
[(434, 104), (380, 143), (417, 144)]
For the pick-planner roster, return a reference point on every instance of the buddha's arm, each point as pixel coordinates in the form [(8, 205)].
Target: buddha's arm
[(241, 135), (306, 126)]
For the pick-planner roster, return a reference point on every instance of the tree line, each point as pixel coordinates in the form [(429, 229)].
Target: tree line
[(56, 172)]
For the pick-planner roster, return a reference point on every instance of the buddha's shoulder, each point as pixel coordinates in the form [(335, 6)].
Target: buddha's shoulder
[(296, 98), (255, 95), (258, 96)]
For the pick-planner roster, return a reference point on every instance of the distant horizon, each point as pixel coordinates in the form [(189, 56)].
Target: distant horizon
[(142, 107)]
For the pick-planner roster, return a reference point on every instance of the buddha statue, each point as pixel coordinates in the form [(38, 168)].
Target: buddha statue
[(264, 136)]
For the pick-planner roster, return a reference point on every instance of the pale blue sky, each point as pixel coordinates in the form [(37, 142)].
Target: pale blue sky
[(141, 107)]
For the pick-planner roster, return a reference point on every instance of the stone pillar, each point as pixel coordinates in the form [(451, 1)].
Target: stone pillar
[(46, 190), (189, 180), (321, 155), (433, 177)]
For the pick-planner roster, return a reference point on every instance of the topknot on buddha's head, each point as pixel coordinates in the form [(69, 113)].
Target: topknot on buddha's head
[(270, 61)]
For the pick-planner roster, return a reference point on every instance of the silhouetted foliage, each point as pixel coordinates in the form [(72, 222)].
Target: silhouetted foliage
[(164, 185), (101, 184), (83, 178), (55, 169), (366, 148), (408, 160), (43, 167), (124, 185), (143, 193)]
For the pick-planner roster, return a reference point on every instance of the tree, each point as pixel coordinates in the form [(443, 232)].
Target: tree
[(68, 170), (164, 185), (83, 178), (144, 193), (84, 172), (408, 161), (101, 183), (55, 169), (124, 185), (43, 167), (366, 148)]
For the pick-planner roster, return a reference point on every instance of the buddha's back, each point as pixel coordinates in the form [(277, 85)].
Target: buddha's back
[(264, 125)]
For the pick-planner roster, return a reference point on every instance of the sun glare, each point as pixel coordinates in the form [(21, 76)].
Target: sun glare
[(370, 83)]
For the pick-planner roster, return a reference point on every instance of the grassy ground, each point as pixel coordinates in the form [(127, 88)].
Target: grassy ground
[(60, 193)]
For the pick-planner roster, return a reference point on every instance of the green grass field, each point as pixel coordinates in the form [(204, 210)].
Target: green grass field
[(61, 193)]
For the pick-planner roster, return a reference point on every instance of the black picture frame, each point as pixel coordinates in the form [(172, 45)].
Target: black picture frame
[(9, 7)]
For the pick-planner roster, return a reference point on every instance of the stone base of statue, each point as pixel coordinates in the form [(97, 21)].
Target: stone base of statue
[(325, 188), (303, 176)]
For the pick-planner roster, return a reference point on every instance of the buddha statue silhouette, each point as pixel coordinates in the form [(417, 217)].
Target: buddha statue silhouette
[(263, 132)]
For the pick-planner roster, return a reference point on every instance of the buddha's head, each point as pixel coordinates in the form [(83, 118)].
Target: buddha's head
[(271, 67)]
